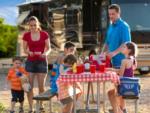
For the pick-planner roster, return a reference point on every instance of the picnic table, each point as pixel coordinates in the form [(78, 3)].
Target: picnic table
[(99, 77)]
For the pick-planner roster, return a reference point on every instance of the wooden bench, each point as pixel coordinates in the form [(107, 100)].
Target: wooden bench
[(45, 96)]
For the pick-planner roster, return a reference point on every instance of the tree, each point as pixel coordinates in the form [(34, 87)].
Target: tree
[(8, 39)]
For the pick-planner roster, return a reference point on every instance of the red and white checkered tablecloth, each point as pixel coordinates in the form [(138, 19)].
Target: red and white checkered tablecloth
[(66, 81), (90, 77)]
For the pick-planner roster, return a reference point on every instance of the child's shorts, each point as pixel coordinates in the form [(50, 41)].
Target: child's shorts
[(66, 100), (17, 96)]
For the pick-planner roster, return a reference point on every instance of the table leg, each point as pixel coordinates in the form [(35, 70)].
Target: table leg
[(87, 98), (92, 91), (98, 96), (136, 105), (83, 97), (74, 97), (37, 106), (104, 92)]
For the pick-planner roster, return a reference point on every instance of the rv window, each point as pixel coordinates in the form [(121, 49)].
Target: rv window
[(136, 14)]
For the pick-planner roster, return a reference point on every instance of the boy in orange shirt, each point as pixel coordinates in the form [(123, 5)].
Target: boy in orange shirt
[(13, 77)]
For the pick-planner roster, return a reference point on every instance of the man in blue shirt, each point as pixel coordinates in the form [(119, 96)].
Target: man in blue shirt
[(118, 33)]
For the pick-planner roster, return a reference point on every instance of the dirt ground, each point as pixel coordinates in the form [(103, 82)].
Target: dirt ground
[(143, 107)]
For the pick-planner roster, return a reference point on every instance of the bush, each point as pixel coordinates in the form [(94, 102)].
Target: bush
[(8, 39), (2, 108)]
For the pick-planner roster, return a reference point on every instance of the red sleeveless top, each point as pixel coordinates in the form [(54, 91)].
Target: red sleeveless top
[(36, 46)]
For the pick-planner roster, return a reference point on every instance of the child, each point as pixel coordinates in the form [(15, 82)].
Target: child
[(16, 88), (69, 48), (65, 90), (128, 66)]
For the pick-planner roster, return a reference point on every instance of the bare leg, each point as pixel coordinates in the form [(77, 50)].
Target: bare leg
[(122, 103), (114, 101), (41, 78), (30, 94), (12, 106), (21, 104), (67, 108), (77, 97), (21, 107)]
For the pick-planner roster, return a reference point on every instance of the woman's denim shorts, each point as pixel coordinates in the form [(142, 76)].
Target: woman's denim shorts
[(36, 66)]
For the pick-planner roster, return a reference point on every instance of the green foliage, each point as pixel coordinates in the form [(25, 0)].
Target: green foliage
[(8, 39), (2, 108), (1, 20)]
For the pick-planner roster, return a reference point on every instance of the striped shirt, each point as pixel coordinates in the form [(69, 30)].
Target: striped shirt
[(14, 79)]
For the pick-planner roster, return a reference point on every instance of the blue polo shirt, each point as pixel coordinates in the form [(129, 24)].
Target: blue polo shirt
[(117, 34)]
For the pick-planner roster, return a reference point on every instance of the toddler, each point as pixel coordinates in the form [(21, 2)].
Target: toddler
[(13, 77)]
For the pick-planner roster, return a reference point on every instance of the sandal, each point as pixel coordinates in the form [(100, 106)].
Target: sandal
[(42, 109), (124, 111), (21, 110)]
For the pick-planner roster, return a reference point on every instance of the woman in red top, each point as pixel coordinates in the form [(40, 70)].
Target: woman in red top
[(36, 45)]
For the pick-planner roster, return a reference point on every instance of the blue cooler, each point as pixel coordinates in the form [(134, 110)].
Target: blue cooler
[(129, 86)]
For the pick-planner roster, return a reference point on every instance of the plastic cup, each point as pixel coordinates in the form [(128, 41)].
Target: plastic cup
[(102, 67), (82, 67), (92, 68), (79, 69)]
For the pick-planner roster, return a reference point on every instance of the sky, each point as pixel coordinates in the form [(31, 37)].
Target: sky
[(9, 10)]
